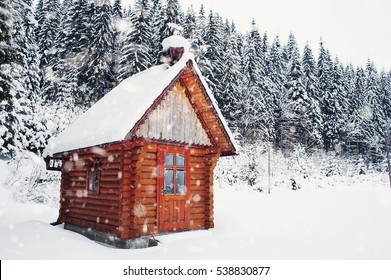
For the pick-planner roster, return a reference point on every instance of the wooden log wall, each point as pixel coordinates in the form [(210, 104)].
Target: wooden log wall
[(78, 206), (128, 200), (198, 187), (143, 185), (210, 163)]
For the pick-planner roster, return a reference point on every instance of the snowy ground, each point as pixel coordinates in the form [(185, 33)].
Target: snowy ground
[(344, 220)]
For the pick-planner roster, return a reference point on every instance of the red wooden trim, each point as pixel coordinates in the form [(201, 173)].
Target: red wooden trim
[(212, 108), (85, 149), (167, 142), (198, 113)]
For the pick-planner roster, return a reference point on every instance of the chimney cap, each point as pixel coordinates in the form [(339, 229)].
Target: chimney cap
[(176, 41)]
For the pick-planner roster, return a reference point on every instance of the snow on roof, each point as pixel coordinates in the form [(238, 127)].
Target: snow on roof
[(176, 41), (114, 115)]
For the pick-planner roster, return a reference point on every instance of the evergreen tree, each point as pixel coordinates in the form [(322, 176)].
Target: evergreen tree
[(73, 44), (198, 44), (17, 122), (47, 32), (173, 21), (211, 66), (275, 70), (157, 24), (298, 109), (6, 53), (231, 80), (39, 15), (385, 93), (355, 137), (328, 100), (190, 27), (117, 9), (310, 82), (376, 123), (257, 121), (136, 49), (99, 73)]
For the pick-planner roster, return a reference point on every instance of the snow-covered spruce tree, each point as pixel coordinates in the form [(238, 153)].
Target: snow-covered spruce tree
[(385, 93), (74, 44), (310, 83), (35, 123), (231, 79), (338, 120), (287, 52), (157, 23), (135, 53), (329, 105), (348, 77), (39, 16), (256, 117), (355, 128), (190, 24), (53, 77), (49, 21), (66, 78), (172, 21), (6, 53), (276, 72), (99, 73), (212, 66), (365, 137), (198, 44), (374, 99), (274, 67), (296, 122), (117, 9), (17, 116), (121, 27)]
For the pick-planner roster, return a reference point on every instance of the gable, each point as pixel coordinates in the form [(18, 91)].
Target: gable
[(174, 119)]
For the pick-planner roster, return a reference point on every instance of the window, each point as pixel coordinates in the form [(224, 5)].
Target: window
[(93, 178), (174, 174)]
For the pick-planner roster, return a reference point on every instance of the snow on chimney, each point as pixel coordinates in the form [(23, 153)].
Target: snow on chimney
[(173, 49)]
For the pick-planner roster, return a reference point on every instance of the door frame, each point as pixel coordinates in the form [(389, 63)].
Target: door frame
[(161, 151)]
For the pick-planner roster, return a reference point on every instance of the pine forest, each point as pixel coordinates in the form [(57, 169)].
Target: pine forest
[(57, 58)]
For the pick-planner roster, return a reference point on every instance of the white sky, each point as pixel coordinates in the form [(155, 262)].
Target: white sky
[(353, 30)]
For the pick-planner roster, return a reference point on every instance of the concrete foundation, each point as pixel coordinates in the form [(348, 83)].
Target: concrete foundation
[(111, 239)]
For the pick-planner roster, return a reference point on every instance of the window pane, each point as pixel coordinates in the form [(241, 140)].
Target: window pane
[(180, 160), (168, 181), (180, 181), (93, 179), (169, 159)]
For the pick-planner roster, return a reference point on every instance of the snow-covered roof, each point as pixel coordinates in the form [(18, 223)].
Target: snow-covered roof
[(114, 115)]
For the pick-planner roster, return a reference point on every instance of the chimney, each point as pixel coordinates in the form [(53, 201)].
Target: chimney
[(173, 49)]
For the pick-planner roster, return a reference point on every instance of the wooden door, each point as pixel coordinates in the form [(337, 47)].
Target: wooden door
[(173, 188)]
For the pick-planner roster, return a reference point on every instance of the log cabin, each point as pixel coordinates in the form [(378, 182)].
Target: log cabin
[(140, 161)]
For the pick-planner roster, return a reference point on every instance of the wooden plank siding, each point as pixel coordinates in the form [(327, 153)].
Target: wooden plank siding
[(174, 119)]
